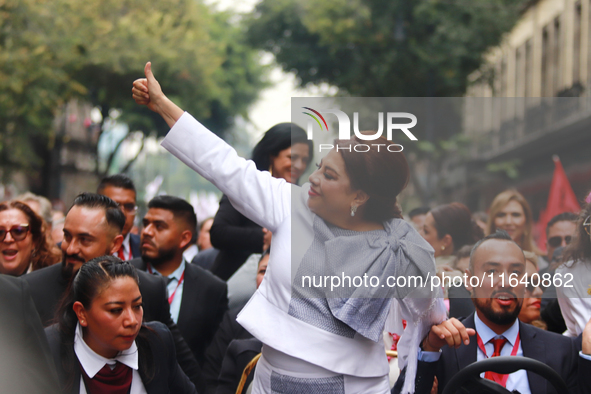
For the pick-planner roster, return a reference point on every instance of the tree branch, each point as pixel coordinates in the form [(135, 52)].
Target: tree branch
[(130, 162)]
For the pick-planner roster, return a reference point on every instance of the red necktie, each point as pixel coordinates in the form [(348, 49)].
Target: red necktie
[(116, 381), (120, 253), (496, 377)]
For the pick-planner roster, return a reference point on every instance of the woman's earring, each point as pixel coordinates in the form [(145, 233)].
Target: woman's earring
[(442, 247), (353, 210)]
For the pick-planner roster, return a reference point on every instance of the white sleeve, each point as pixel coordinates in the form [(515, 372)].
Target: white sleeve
[(256, 194), (573, 311), (575, 304)]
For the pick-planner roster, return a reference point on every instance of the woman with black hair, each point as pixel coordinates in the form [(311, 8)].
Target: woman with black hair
[(448, 228), (285, 152), (99, 343)]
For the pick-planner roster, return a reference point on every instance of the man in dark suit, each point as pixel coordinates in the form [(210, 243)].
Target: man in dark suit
[(495, 330), (92, 228), (121, 189), (197, 298), (26, 365)]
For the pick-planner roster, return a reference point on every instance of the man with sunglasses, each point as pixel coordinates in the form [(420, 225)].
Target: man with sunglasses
[(121, 189), (559, 231)]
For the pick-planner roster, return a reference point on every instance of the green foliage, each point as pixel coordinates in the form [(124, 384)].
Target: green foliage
[(383, 48), (52, 51), (510, 168)]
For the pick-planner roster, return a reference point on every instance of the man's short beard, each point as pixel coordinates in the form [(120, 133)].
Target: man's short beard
[(67, 268), (502, 318), (162, 257)]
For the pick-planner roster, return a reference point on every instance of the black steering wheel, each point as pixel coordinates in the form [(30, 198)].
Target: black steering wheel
[(468, 380)]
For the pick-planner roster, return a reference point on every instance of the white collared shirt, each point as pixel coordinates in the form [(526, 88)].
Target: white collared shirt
[(93, 363), (175, 305), (517, 380)]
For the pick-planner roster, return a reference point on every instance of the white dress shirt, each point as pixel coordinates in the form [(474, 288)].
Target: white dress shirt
[(93, 363)]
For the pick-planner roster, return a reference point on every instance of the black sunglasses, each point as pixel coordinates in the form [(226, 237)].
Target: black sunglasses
[(557, 240), (18, 233)]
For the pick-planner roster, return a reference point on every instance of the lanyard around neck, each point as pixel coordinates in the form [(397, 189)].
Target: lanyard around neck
[(513, 352), (171, 297)]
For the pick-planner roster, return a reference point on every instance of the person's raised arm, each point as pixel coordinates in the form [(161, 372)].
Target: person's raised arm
[(256, 194), (147, 91)]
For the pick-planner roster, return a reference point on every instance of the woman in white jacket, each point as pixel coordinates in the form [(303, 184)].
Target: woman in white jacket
[(344, 224)]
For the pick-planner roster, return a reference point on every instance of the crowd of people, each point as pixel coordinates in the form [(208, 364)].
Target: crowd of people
[(219, 305)]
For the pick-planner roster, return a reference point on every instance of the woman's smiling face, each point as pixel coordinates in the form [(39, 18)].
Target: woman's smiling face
[(330, 195), (15, 254)]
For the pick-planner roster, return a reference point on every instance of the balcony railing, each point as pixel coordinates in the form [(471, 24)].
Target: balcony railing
[(530, 119)]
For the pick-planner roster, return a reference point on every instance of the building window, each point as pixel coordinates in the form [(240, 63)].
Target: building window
[(577, 44), (557, 59), (527, 69), (546, 85)]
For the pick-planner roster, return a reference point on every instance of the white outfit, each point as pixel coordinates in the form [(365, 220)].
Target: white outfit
[(296, 348), (93, 363), (573, 296)]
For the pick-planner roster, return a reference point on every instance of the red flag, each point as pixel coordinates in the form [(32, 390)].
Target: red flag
[(561, 199)]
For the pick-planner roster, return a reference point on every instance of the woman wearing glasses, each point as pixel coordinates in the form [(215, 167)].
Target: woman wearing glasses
[(574, 294), (24, 244)]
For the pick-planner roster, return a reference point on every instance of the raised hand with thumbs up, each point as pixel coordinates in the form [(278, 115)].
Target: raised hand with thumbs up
[(147, 91)]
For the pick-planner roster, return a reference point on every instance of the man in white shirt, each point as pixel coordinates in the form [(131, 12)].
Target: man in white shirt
[(494, 329), (121, 189)]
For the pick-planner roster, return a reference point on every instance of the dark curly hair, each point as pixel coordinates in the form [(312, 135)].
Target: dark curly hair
[(278, 138)]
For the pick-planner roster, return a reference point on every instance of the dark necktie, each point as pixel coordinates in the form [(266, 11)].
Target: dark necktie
[(116, 381)]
